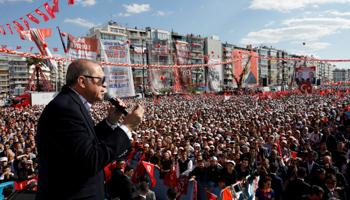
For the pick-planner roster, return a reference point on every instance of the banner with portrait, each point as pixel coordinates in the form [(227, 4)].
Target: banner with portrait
[(214, 76), (182, 76), (119, 79), (305, 74), (251, 75)]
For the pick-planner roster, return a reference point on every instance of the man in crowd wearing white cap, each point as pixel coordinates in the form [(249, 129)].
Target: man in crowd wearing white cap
[(226, 176), (211, 171)]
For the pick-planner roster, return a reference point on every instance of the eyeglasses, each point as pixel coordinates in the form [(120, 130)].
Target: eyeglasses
[(99, 78)]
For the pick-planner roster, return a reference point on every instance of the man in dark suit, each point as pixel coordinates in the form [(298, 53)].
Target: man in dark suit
[(66, 132), (277, 182), (330, 140), (300, 78), (143, 190), (274, 158), (120, 185), (261, 152), (298, 187), (311, 78), (311, 167)]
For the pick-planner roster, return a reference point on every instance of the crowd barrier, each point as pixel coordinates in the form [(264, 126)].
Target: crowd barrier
[(160, 189), (3, 185)]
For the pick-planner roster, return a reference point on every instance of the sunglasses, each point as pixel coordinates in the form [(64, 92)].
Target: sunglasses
[(99, 78)]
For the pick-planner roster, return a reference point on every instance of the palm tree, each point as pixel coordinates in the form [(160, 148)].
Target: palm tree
[(38, 62)]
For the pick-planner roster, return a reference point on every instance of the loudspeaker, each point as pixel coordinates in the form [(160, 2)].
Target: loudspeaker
[(264, 82), (22, 195)]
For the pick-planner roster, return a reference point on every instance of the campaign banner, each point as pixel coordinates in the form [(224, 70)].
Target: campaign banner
[(251, 75), (182, 76), (214, 76), (119, 79), (81, 47), (305, 74)]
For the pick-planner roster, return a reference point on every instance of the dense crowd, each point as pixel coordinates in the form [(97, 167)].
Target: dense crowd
[(298, 144)]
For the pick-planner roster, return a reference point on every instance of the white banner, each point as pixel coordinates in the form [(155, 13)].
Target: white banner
[(119, 79), (214, 77)]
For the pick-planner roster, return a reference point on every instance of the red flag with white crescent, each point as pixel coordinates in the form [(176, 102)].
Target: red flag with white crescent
[(31, 17), (8, 25), (55, 6), (70, 2), (25, 22), (55, 49), (46, 18), (150, 169), (3, 29), (18, 47), (49, 10), (19, 25)]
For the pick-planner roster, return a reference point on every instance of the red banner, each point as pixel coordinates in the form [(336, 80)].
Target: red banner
[(211, 196), (3, 29), (251, 75), (194, 195), (21, 185)]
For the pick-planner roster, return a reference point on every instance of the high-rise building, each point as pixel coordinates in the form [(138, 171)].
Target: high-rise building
[(340, 75)]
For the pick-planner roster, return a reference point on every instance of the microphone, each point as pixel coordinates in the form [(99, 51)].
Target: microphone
[(110, 98)]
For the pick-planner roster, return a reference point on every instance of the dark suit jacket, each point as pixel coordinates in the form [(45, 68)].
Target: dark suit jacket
[(121, 186), (313, 171), (277, 186), (263, 153), (297, 188), (299, 81), (313, 81), (73, 151)]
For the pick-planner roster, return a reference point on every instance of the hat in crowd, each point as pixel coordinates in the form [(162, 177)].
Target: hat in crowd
[(146, 145), (214, 158), (3, 159), (231, 161), (29, 162)]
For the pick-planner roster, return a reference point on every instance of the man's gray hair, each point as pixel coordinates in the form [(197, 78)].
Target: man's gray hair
[(78, 68)]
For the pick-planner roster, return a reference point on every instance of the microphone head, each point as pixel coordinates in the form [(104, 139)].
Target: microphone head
[(107, 96)]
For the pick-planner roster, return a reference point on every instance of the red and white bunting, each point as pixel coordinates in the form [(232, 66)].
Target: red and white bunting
[(49, 10), (31, 17), (46, 18)]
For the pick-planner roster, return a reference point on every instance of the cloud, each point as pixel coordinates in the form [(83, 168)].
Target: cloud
[(137, 8), (81, 22), (314, 45), (270, 23), (123, 15), (162, 13), (85, 3), (337, 13), (288, 5), (307, 29)]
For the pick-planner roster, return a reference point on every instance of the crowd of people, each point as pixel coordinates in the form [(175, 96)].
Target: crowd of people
[(297, 144)]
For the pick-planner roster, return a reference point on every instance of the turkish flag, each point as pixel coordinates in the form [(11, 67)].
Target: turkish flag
[(19, 25), (55, 6), (18, 47), (8, 25), (4, 46), (139, 170), (31, 17), (55, 49), (31, 49), (70, 2), (294, 154), (130, 156), (150, 169), (211, 196), (49, 10), (46, 18), (25, 22), (3, 29)]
